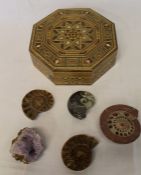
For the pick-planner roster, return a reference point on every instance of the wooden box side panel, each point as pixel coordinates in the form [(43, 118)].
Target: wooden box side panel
[(72, 78), (75, 77)]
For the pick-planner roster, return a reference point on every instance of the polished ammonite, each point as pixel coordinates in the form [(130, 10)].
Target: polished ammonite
[(77, 152), (79, 103), (120, 123), (27, 146), (37, 101), (73, 46)]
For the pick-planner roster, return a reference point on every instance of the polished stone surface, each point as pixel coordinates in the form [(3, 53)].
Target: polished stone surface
[(79, 103)]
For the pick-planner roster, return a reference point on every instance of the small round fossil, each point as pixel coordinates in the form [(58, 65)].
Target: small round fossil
[(120, 124), (79, 103), (77, 152), (37, 101), (27, 146)]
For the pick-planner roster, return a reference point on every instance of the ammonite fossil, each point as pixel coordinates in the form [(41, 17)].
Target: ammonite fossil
[(27, 146), (77, 152), (120, 124), (79, 103), (37, 101)]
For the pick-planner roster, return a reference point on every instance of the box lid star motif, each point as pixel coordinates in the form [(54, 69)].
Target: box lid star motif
[(70, 40)]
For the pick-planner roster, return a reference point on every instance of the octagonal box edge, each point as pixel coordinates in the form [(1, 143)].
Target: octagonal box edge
[(75, 63)]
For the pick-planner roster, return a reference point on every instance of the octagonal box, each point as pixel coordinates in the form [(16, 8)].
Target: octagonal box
[(73, 46)]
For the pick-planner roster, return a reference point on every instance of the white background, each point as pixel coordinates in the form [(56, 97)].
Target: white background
[(18, 76)]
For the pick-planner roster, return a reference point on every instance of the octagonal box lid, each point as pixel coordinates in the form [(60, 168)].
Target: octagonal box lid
[(73, 46)]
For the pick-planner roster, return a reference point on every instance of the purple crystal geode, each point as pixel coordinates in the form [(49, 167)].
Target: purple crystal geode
[(27, 146)]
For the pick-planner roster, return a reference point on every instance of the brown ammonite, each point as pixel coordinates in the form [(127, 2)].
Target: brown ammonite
[(37, 101), (77, 152), (120, 124)]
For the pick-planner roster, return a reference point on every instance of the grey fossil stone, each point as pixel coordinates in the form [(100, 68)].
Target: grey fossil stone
[(79, 104)]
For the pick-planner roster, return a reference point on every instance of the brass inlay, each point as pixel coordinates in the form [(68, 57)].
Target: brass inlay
[(75, 41)]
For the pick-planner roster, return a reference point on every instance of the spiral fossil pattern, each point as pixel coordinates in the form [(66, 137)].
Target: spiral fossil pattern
[(79, 103), (120, 123), (77, 152), (35, 102)]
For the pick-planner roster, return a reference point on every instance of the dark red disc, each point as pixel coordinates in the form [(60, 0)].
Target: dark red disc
[(120, 124)]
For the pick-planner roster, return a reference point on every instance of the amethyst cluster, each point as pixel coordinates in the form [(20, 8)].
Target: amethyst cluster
[(27, 146)]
